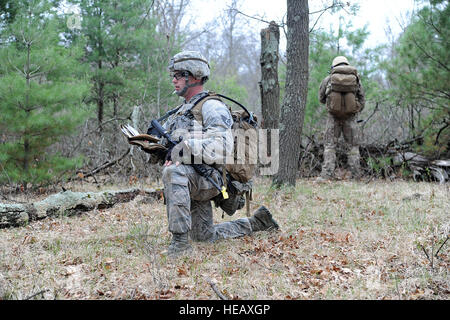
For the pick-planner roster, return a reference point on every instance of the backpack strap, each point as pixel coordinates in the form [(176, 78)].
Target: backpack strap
[(196, 110), (251, 120), (169, 113), (247, 202)]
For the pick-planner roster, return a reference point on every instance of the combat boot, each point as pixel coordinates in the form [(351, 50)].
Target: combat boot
[(354, 164), (179, 245), (262, 220)]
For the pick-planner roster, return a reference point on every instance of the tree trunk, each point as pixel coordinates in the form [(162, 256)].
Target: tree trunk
[(100, 97), (26, 136), (294, 103), (269, 86)]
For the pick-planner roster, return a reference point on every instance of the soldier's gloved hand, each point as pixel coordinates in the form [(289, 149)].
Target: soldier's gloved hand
[(169, 154), (177, 149)]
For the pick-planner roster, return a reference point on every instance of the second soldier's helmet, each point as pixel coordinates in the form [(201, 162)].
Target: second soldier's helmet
[(192, 61), (339, 60)]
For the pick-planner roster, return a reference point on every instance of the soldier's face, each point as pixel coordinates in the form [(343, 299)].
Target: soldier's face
[(183, 86), (178, 81)]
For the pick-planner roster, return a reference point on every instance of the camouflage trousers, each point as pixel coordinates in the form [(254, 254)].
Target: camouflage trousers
[(334, 128), (188, 201)]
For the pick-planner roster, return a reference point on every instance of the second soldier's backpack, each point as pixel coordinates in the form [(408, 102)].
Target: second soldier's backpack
[(341, 92)]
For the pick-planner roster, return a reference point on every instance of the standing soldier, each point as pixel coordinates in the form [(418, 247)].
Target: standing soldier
[(187, 192), (343, 95)]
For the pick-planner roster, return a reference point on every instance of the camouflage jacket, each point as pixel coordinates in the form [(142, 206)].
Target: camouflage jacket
[(211, 140), (360, 96)]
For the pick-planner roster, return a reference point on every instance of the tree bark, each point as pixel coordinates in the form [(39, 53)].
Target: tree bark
[(294, 102), (269, 85)]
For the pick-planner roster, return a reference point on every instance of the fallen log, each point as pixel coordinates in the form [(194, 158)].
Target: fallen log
[(424, 168), (68, 203)]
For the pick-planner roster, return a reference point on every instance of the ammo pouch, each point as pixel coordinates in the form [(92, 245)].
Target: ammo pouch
[(237, 193)]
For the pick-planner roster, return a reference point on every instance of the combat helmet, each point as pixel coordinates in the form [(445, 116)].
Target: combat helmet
[(339, 60), (192, 61)]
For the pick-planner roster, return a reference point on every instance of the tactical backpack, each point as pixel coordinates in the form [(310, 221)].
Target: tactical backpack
[(245, 139), (243, 168), (341, 92)]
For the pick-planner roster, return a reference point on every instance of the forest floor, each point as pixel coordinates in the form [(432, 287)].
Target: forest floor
[(338, 240)]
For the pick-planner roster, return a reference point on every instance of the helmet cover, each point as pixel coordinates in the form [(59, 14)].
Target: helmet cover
[(339, 60), (192, 61)]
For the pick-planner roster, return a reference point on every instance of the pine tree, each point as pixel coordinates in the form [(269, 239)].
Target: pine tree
[(8, 10), (121, 47), (420, 75), (41, 92)]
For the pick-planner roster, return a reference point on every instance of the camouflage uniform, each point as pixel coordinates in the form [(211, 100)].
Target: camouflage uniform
[(334, 128), (188, 195)]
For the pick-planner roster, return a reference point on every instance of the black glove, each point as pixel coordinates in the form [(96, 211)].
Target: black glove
[(170, 149)]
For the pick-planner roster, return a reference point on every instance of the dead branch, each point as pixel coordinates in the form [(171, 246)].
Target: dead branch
[(216, 290), (36, 294), (105, 165), (255, 18), (426, 254), (379, 160), (436, 255)]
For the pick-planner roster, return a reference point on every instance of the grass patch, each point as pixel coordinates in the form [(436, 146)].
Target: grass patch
[(340, 240)]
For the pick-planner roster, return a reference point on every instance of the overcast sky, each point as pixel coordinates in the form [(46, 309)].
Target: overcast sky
[(377, 14)]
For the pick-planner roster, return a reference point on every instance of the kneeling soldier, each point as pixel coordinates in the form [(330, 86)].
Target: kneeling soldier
[(188, 193)]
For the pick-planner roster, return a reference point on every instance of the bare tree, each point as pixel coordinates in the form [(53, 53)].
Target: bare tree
[(170, 14), (294, 102)]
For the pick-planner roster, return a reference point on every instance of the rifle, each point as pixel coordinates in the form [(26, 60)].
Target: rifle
[(199, 168), (250, 119), (152, 130)]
